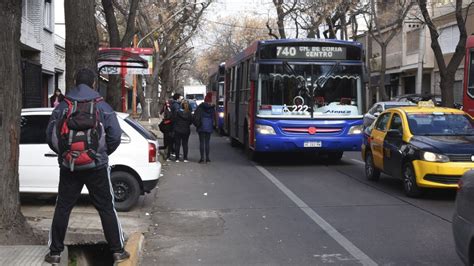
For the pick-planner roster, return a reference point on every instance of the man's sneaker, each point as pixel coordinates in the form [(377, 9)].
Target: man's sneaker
[(120, 256), (208, 161), (177, 161), (53, 259), (201, 161), (168, 159), (185, 161)]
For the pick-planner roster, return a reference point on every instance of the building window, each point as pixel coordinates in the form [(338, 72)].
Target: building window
[(47, 15), (449, 38)]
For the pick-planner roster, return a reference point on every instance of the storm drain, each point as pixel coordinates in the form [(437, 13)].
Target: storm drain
[(91, 255)]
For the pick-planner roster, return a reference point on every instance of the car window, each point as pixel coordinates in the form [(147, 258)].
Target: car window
[(382, 122), (396, 123), (143, 131), (33, 129)]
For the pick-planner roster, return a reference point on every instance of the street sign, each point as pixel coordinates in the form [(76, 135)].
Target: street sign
[(116, 68)]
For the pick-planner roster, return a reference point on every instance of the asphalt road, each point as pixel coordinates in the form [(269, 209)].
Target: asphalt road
[(292, 209)]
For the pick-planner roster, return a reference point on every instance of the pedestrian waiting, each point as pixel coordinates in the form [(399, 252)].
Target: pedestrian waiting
[(204, 122), (182, 121), (166, 127), (83, 130)]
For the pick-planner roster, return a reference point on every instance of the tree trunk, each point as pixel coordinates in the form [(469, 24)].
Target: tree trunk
[(114, 92), (447, 93), (13, 226), (383, 66), (281, 18), (82, 39)]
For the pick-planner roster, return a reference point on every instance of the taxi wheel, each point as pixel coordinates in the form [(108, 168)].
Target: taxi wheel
[(372, 173), (409, 182)]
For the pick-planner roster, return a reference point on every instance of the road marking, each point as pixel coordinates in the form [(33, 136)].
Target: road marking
[(357, 161), (331, 231)]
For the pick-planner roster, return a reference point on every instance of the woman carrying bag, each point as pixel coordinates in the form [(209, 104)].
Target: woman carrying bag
[(204, 122), (182, 129)]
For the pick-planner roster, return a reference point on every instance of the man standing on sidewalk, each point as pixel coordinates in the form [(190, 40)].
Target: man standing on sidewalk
[(83, 130)]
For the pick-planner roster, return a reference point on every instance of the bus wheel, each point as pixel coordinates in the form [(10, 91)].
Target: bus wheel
[(335, 156)]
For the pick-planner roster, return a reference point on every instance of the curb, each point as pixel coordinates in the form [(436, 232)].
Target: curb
[(134, 247)]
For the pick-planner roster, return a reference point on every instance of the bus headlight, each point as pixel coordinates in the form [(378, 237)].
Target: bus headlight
[(434, 157), (221, 114), (354, 130), (265, 130)]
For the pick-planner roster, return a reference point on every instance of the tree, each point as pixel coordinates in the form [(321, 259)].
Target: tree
[(13, 225), (114, 94), (225, 40), (385, 16), (447, 72), (82, 39), (169, 27)]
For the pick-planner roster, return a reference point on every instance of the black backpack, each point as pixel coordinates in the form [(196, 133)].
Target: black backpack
[(197, 117), (79, 133)]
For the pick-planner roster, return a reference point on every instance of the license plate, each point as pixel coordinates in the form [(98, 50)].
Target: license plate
[(312, 144)]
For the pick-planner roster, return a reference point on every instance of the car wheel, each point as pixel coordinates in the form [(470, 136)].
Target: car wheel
[(409, 181), (335, 156), (371, 173), (126, 190)]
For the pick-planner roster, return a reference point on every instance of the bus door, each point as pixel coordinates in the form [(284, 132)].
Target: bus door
[(468, 101), (238, 84)]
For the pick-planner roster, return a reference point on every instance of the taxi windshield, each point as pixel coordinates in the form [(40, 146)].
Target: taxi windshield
[(440, 124)]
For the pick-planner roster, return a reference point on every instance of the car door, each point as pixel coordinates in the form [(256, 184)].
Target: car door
[(377, 138), (38, 164), (392, 146)]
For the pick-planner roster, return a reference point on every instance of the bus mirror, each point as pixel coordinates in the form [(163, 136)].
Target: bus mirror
[(253, 71)]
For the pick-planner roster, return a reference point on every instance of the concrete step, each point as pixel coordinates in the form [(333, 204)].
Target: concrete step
[(27, 256)]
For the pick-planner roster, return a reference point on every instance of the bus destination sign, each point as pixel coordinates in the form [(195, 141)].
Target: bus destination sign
[(311, 52)]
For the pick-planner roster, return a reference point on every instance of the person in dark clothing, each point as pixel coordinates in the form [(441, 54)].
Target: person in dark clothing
[(206, 113), (182, 123), (166, 126), (176, 105), (57, 98), (97, 179)]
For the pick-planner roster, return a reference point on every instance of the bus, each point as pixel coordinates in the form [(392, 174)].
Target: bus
[(216, 87), (468, 87), (296, 95)]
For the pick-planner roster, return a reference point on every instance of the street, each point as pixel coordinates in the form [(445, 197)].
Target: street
[(292, 209)]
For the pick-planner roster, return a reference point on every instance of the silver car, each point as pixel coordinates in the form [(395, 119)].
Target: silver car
[(378, 108), (463, 220)]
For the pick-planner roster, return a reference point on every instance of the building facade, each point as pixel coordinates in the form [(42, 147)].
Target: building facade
[(42, 53), (409, 53)]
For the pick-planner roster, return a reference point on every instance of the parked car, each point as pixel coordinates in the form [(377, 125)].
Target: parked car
[(380, 107), (424, 145), (416, 97), (135, 169), (463, 219)]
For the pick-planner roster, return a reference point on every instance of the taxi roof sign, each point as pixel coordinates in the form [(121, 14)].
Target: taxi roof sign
[(429, 103)]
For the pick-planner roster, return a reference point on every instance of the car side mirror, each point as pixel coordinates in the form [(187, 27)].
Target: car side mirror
[(376, 114), (394, 133)]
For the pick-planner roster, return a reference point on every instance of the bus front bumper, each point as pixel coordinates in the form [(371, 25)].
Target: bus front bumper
[(278, 143)]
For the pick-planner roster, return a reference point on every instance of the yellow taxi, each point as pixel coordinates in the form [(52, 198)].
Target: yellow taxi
[(424, 145)]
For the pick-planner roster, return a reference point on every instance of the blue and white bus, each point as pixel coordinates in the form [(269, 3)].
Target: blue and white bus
[(296, 95)]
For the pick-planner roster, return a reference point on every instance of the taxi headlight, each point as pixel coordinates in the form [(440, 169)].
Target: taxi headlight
[(221, 114), (434, 157), (354, 130), (265, 130)]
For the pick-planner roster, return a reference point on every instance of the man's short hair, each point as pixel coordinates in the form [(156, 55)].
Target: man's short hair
[(176, 96), (85, 76)]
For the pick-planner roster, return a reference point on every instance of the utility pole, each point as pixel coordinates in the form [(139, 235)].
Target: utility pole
[(134, 89), (421, 54)]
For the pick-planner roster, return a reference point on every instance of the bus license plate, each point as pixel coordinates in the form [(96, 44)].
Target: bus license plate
[(312, 144)]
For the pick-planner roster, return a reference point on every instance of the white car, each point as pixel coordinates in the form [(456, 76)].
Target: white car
[(135, 168), (380, 107)]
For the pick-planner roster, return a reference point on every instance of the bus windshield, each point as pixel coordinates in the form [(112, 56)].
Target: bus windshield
[(306, 90)]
